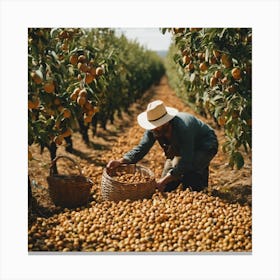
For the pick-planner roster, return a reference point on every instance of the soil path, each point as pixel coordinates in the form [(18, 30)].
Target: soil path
[(230, 185)]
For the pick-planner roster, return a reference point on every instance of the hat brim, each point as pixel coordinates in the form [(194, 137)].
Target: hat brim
[(143, 120)]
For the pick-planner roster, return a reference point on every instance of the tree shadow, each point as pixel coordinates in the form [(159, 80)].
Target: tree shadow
[(107, 134), (36, 210), (96, 146), (88, 158), (241, 194)]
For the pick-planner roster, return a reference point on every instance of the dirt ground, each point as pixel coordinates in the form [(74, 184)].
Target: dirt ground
[(229, 184)]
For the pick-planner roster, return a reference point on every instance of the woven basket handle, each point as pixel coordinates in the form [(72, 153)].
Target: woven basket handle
[(58, 157)]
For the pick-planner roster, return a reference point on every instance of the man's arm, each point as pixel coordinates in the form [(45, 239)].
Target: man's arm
[(162, 182), (138, 152)]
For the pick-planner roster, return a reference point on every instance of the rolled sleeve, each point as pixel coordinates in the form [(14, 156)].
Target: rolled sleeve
[(139, 151)]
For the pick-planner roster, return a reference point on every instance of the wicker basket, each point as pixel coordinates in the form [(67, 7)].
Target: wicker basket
[(116, 191), (68, 190)]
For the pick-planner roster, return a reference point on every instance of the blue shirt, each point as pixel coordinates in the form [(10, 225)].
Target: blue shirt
[(188, 135)]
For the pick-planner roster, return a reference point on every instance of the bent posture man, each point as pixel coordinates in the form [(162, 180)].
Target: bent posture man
[(189, 145)]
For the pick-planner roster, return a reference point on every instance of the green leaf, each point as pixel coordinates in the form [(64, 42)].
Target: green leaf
[(217, 111), (222, 33), (207, 54), (238, 160), (218, 97), (192, 77), (176, 57), (53, 53), (54, 30), (163, 30)]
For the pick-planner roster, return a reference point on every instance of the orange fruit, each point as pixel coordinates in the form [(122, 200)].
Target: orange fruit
[(37, 77), (90, 112), (64, 47), (203, 66), (218, 74), (58, 139), (63, 34), (186, 59), (75, 94), (221, 120), (66, 113), (213, 60), (73, 59), (99, 71), (213, 81), (226, 61), (36, 103), (81, 100), (89, 78), (87, 118), (82, 58), (83, 92), (30, 105), (216, 53), (93, 71), (201, 56), (82, 67), (49, 87), (236, 73), (190, 66)]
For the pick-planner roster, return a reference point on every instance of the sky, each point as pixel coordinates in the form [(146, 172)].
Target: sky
[(151, 38)]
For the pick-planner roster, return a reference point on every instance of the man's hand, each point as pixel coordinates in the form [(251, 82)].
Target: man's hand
[(160, 186), (112, 164), (162, 182)]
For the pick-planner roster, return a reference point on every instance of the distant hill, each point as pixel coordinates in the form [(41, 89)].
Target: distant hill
[(161, 53)]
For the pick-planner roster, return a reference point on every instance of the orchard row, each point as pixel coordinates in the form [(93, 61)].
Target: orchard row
[(79, 77)]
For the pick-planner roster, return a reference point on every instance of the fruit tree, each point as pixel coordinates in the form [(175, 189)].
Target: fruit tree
[(211, 69)]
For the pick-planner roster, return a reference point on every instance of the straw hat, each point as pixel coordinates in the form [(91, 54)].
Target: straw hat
[(156, 114)]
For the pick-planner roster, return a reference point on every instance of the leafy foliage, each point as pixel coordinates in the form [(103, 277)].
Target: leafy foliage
[(74, 73), (210, 68)]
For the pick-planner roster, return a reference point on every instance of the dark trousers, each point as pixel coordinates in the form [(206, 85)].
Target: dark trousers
[(197, 178)]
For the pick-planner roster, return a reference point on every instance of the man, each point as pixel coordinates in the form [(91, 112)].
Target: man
[(188, 143)]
